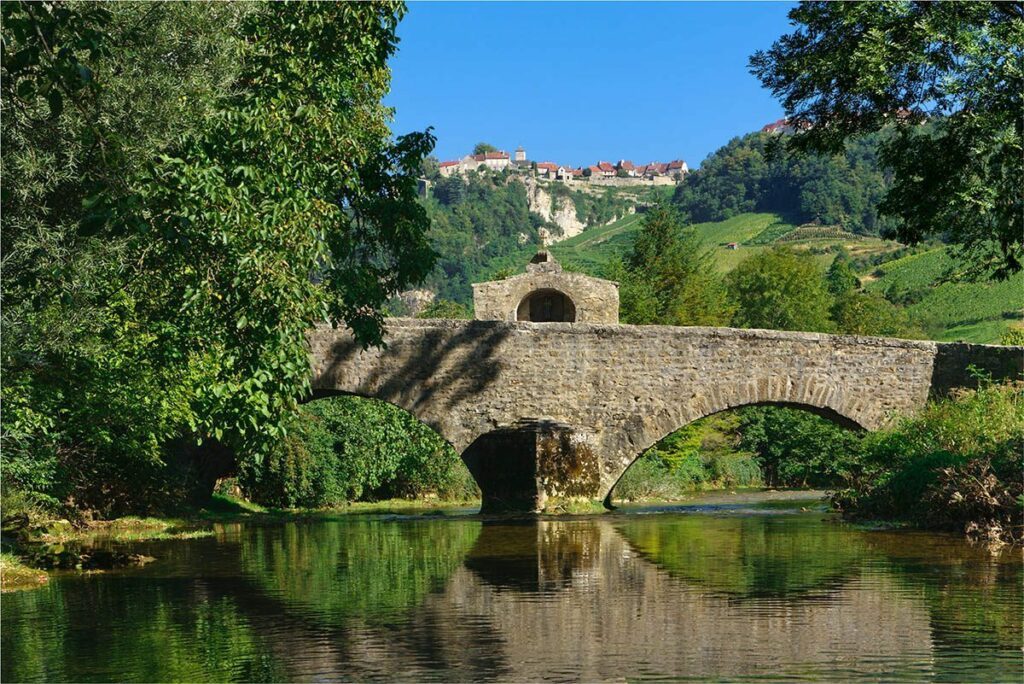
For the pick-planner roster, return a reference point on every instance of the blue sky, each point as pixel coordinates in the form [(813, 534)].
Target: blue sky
[(578, 82)]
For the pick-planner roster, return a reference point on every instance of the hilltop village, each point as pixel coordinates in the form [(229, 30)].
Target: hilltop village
[(624, 172)]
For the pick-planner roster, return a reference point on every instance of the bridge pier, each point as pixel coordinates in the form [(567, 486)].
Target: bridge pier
[(533, 465)]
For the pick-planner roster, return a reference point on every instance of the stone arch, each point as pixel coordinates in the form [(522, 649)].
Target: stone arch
[(546, 305), (642, 433)]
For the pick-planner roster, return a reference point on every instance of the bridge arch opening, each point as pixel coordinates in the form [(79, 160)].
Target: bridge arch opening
[(546, 306), (349, 447), (764, 444)]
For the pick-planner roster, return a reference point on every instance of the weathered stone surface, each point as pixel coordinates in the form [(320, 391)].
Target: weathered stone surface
[(595, 300), (621, 388)]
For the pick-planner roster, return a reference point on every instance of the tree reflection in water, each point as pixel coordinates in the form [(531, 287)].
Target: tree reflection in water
[(636, 597)]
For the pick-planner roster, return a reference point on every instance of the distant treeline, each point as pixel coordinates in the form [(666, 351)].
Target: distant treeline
[(755, 173)]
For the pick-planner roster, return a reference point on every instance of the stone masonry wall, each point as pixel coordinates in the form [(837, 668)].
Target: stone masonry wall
[(596, 300), (622, 388)]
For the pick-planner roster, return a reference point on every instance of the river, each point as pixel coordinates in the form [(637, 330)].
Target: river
[(723, 589)]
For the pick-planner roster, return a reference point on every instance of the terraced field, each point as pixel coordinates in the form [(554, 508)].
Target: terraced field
[(753, 233), (973, 312)]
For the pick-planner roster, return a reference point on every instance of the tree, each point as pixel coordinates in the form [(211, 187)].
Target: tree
[(751, 173), (669, 277), (854, 68), (430, 168), (799, 449), (867, 313), (840, 276), (484, 148), (215, 181), (450, 190), (781, 290)]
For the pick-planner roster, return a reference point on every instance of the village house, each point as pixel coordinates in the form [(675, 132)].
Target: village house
[(780, 126), (495, 161), (547, 169), (448, 168), (627, 166), (677, 166), (658, 172)]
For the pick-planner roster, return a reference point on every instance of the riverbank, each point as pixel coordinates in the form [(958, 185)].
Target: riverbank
[(15, 575), (60, 544)]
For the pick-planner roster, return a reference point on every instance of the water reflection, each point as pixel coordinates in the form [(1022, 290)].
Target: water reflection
[(614, 597)]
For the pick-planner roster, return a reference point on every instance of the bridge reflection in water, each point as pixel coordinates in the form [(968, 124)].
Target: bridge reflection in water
[(623, 596)]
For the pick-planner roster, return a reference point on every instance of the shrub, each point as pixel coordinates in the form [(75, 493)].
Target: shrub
[(348, 449), (956, 466)]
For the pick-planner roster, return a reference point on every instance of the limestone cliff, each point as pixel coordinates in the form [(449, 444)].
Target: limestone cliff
[(559, 210)]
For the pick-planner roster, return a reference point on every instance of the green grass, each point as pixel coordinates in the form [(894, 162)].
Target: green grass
[(972, 312), (15, 575), (754, 232), (740, 228)]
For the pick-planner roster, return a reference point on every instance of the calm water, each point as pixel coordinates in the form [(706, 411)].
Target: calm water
[(709, 592)]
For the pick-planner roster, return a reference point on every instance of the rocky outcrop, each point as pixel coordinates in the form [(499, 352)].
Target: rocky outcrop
[(558, 210)]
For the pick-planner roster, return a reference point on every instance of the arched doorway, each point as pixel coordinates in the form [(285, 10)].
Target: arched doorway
[(546, 306)]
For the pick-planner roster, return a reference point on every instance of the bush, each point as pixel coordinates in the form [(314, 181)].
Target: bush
[(957, 466), (351, 449)]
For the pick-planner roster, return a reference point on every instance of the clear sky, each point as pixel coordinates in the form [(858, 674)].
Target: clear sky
[(577, 82)]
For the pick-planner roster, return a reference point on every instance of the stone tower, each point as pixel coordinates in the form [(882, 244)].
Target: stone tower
[(520, 154)]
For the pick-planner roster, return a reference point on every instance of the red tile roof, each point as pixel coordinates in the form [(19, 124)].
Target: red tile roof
[(676, 164), (448, 163), (605, 166), (776, 126), (550, 166), (627, 165)]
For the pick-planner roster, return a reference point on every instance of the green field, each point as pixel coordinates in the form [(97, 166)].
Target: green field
[(753, 232), (973, 312)]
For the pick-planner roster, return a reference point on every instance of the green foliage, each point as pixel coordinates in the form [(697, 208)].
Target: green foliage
[(444, 308), (799, 449), (1014, 336), (162, 224), (850, 69), (704, 454), (840, 276), (477, 222), (945, 309), (669, 277), (781, 290), (751, 174), (969, 446), (484, 148), (867, 313), (348, 449)]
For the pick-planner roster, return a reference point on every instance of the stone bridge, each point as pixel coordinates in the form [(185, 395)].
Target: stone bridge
[(541, 410)]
